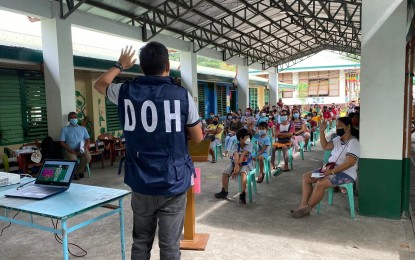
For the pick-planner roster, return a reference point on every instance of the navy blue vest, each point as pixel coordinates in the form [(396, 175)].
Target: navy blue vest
[(153, 112)]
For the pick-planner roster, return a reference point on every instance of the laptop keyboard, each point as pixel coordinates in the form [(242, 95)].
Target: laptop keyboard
[(37, 189)]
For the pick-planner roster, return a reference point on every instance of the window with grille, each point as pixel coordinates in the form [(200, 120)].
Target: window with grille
[(35, 121), (11, 111), (111, 110), (323, 88), (23, 116), (313, 87), (221, 94), (287, 94), (253, 98), (266, 96), (201, 97)]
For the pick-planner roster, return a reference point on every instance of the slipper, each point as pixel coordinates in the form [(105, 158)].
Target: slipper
[(301, 212), (213, 161), (286, 170), (260, 178), (343, 190)]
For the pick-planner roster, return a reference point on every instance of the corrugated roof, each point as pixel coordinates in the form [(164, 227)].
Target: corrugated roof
[(271, 32)]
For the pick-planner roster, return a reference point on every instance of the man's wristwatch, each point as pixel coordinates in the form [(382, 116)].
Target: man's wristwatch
[(119, 66)]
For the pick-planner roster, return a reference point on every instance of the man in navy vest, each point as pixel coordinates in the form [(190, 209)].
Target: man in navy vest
[(157, 118)]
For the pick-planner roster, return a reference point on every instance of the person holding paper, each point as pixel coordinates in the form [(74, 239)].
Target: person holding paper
[(345, 154), (74, 139)]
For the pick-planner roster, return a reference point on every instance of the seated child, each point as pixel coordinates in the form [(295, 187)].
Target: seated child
[(263, 144), (284, 132), (240, 164)]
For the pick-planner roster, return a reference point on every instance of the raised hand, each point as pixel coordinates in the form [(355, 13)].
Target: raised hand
[(126, 57), (323, 124)]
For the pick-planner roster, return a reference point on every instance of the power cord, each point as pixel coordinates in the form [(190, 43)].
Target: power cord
[(24, 184), (59, 240), (1, 232)]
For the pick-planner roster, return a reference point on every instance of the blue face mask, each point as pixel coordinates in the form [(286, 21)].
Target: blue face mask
[(296, 115), (262, 132), (73, 121), (283, 118)]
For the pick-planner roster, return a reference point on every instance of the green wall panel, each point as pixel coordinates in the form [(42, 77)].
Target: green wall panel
[(380, 193), (406, 184)]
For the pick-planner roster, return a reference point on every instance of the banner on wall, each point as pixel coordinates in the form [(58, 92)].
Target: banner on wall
[(228, 100)]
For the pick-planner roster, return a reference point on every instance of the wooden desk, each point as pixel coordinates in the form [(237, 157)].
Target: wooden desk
[(78, 199)]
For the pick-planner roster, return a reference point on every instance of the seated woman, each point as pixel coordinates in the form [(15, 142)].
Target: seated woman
[(215, 129), (284, 133), (345, 154), (300, 130)]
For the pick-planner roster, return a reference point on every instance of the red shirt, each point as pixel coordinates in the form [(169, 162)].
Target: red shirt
[(327, 114)]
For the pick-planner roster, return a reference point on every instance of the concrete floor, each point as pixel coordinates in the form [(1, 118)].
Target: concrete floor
[(261, 230)]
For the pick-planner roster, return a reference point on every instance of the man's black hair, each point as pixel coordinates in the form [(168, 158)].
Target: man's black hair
[(263, 124), (154, 59), (70, 114), (241, 133)]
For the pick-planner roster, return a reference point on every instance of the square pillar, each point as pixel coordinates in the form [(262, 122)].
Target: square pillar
[(188, 72), (382, 80), (243, 87), (59, 73), (273, 88)]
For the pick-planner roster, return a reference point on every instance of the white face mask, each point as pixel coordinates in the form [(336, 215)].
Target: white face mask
[(263, 114), (248, 141)]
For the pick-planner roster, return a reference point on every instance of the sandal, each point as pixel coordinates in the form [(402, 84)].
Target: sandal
[(301, 212), (213, 161), (260, 178)]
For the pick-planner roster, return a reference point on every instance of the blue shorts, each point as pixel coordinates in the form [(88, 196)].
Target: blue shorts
[(263, 154), (340, 178)]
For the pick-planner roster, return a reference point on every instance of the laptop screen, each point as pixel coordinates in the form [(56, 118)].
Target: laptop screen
[(55, 172)]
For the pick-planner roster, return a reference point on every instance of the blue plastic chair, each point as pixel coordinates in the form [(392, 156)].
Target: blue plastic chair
[(349, 188), (326, 157), (301, 144), (217, 148), (250, 182), (290, 157)]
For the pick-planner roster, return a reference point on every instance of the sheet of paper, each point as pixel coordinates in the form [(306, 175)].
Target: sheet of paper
[(317, 175)]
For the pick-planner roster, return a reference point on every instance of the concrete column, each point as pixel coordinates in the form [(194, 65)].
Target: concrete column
[(273, 88), (59, 73), (243, 87), (342, 86), (296, 78), (382, 80), (188, 71)]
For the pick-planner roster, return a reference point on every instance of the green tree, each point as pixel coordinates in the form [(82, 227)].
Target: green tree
[(303, 93)]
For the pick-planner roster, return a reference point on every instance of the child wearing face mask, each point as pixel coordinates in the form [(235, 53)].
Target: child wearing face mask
[(284, 133), (262, 118), (240, 164), (263, 143), (248, 118), (300, 130), (234, 126)]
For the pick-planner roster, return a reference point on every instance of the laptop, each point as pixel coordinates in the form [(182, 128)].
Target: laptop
[(54, 177)]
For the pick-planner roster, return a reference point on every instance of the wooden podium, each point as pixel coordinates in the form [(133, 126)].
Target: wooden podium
[(191, 239)]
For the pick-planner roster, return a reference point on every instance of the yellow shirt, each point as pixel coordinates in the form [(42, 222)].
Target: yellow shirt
[(214, 127), (316, 118)]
